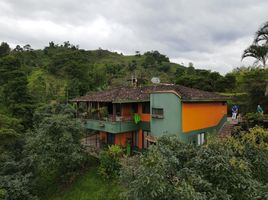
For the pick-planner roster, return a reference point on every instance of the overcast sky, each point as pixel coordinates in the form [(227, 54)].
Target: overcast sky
[(210, 33)]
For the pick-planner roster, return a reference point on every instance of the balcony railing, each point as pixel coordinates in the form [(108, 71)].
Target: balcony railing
[(108, 118), (111, 124)]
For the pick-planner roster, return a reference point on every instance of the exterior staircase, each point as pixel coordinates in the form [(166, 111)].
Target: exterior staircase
[(227, 128)]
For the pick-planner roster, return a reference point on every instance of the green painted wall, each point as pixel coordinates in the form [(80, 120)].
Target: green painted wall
[(116, 127), (171, 123), (111, 127)]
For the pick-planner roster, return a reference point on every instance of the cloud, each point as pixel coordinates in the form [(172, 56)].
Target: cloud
[(210, 33)]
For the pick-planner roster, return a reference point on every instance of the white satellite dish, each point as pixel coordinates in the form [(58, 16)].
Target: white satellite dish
[(155, 80)]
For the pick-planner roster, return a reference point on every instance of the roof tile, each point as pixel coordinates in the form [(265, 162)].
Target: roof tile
[(122, 94)]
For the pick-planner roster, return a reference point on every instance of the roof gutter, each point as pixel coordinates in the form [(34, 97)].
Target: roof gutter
[(203, 100)]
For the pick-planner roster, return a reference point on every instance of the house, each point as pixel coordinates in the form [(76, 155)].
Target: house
[(138, 115)]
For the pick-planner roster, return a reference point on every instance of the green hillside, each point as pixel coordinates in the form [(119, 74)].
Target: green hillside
[(65, 71)]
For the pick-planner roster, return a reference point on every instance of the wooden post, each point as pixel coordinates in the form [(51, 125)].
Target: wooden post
[(98, 107), (77, 107), (114, 112), (87, 106)]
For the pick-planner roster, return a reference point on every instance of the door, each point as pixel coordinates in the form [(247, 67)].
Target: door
[(110, 138), (135, 139)]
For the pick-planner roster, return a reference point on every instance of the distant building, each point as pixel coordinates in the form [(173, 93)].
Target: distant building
[(138, 115)]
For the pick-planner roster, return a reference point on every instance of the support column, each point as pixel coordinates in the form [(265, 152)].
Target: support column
[(114, 112), (98, 107), (77, 107), (87, 105)]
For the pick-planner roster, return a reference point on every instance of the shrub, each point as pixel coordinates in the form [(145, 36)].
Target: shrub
[(2, 194), (253, 119), (110, 162), (217, 170), (255, 143)]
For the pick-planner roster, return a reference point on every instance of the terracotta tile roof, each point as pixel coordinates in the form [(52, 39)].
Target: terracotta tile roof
[(124, 94)]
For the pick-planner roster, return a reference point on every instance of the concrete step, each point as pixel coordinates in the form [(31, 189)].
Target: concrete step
[(226, 130)]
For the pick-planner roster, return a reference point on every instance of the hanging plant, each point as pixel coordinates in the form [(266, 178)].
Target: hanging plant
[(136, 118)]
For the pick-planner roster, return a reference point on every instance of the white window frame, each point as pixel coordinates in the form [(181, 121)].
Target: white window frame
[(200, 139)]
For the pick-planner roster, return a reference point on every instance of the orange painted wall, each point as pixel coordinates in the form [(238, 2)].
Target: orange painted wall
[(140, 139), (103, 136), (144, 117), (121, 139), (201, 115)]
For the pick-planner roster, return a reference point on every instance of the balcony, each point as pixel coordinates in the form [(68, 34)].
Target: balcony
[(112, 124)]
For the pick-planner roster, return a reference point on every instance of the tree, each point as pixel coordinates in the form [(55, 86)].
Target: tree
[(259, 48), (262, 34), (50, 152), (258, 52), (254, 83), (229, 82), (4, 49), (10, 130), (172, 170), (66, 44), (51, 44), (155, 56), (27, 47), (190, 64), (14, 89), (54, 145), (137, 53), (18, 48), (37, 85)]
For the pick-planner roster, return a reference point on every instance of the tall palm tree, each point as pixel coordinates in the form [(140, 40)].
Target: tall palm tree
[(258, 52), (262, 34)]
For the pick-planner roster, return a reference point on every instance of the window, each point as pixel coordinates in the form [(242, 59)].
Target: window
[(157, 112), (134, 108), (110, 138), (146, 108), (118, 109), (200, 138)]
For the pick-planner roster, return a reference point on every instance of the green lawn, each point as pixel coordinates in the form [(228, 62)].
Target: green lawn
[(89, 186)]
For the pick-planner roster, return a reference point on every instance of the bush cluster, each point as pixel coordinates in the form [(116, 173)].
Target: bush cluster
[(234, 169), (110, 162)]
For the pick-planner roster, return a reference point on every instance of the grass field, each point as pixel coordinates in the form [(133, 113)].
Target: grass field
[(89, 186)]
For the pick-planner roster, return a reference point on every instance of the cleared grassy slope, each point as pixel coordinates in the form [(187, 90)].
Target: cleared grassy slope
[(89, 186)]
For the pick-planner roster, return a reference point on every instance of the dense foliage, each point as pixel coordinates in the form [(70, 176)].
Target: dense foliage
[(110, 162), (252, 88), (217, 170), (50, 152)]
